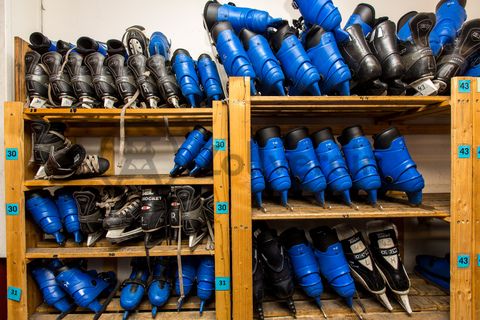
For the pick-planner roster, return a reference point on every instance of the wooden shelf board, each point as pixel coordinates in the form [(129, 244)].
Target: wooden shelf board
[(434, 205), (382, 108), (101, 114), (140, 180), (192, 303), (170, 315), (103, 249), (427, 302)]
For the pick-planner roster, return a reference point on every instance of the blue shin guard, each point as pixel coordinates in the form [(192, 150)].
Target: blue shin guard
[(205, 280), (189, 149), (159, 44), (210, 79), (255, 20), (297, 66), (360, 161), (189, 272), (274, 161), (204, 160), (450, 15), (333, 264), (45, 214), (332, 163), (303, 163), (86, 288), (232, 54), (434, 269), (396, 167), (133, 288), (159, 289), (258, 180), (322, 48), (67, 207), (304, 264), (52, 292), (265, 64), (186, 74)]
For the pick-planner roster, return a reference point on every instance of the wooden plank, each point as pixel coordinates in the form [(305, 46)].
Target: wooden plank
[(183, 315), (476, 200), (112, 252), (15, 224), (120, 180), (21, 47), (346, 101), (434, 205), (241, 220), (435, 315), (191, 303), (461, 202), (101, 113), (221, 194)]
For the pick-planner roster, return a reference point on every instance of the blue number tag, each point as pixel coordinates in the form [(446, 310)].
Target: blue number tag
[(463, 261), (222, 283), (478, 260), (478, 152), (11, 153), (464, 151), (12, 209), (219, 145), (464, 86), (14, 293), (221, 208)]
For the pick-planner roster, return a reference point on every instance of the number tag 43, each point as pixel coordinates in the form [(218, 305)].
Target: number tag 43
[(464, 151), (464, 86)]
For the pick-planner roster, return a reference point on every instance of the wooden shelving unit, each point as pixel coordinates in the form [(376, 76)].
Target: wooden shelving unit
[(24, 238), (412, 115)]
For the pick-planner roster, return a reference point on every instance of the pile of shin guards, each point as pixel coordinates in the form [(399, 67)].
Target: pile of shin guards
[(338, 257), (314, 164)]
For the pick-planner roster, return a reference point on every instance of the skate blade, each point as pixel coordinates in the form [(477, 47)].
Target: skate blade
[(93, 237), (194, 240), (404, 302), (41, 174), (119, 235), (384, 301)]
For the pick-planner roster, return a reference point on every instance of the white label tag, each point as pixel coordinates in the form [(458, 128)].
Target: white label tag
[(66, 102), (108, 103), (426, 88), (37, 103)]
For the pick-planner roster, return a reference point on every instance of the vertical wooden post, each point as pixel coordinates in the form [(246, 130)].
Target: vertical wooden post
[(221, 209), (15, 218), (241, 216), (462, 195), (476, 198), (21, 47)]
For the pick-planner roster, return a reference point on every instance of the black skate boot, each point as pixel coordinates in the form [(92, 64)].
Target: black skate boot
[(81, 81), (122, 220), (115, 46), (413, 31), (258, 291), (154, 215), (163, 75), (362, 266), (61, 87), (124, 80), (145, 82), (384, 44), (455, 62), (192, 218), (89, 214), (385, 253), (209, 213), (276, 264), (135, 41), (72, 162), (36, 80), (102, 79), (365, 67), (47, 137)]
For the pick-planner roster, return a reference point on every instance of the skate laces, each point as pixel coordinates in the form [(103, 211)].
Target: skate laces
[(109, 200), (89, 165)]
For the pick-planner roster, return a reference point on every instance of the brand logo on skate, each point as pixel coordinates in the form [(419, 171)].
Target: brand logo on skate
[(145, 208), (476, 35)]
